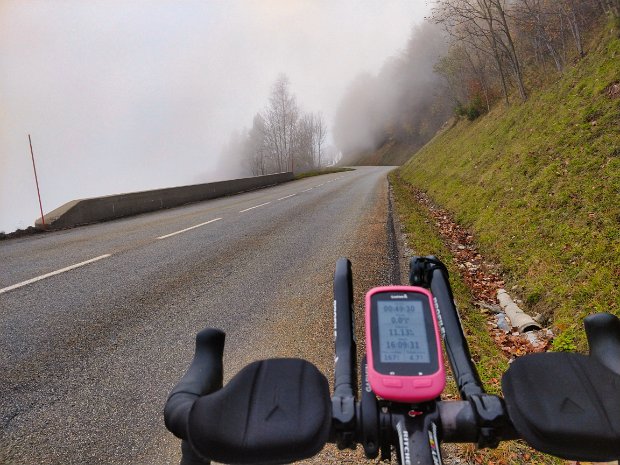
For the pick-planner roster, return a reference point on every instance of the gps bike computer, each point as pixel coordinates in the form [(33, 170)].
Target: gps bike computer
[(404, 348)]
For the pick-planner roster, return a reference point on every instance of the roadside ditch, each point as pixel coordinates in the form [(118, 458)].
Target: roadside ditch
[(420, 227)]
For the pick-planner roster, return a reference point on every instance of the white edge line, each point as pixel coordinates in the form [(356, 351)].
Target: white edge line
[(188, 229), (256, 206), (53, 273), (292, 195)]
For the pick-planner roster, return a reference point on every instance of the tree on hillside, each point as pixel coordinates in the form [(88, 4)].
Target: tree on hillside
[(610, 6), (491, 46), (548, 26), (538, 20), (483, 25), (467, 77)]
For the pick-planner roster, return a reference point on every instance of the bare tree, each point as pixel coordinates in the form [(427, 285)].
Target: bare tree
[(280, 139), (320, 134), (610, 6), (483, 25), (498, 7), (535, 18), (466, 73), (310, 141), (280, 119)]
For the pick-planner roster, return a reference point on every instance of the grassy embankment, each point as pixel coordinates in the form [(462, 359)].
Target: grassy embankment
[(539, 186), (538, 183)]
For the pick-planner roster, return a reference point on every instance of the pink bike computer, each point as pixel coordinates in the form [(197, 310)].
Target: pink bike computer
[(405, 362)]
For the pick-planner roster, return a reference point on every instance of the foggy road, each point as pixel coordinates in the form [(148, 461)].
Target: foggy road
[(97, 323)]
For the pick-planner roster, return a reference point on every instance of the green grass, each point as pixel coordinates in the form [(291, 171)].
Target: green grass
[(321, 171), (490, 362), (539, 185), (424, 239)]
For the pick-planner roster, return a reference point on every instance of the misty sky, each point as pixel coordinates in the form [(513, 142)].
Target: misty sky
[(121, 96)]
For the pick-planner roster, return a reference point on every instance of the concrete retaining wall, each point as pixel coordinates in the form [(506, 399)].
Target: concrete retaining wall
[(78, 212)]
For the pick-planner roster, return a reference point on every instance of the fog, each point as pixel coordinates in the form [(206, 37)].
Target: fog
[(405, 101), (121, 96)]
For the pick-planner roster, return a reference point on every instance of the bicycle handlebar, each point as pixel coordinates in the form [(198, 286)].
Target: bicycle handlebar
[(280, 410), (204, 376), (197, 396)]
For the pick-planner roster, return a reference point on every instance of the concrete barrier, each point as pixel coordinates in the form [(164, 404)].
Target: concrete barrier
[(111, 207)]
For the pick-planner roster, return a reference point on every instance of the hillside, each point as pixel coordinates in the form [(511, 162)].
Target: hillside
[(391, 153), (538, 183)]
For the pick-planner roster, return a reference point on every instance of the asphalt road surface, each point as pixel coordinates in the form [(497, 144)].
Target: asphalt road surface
[(97, 323)]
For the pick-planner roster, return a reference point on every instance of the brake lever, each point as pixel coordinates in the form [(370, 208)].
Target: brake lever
[(204, 376)]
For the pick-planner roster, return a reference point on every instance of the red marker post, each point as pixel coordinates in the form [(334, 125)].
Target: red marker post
[(36, 180)]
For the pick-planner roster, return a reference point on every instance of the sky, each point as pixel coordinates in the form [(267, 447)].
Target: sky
[(128, 95)]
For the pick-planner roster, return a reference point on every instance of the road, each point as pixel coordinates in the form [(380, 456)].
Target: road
[(97, 323)]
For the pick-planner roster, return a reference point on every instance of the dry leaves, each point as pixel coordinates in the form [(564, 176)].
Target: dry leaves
[(481, 277)]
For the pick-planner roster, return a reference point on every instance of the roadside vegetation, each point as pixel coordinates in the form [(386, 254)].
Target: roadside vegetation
[(491, 362), (467, 58), (531, 170), (539, 185), (424, 238)]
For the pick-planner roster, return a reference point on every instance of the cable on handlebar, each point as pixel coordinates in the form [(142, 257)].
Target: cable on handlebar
[(345, 376), (368, 415)]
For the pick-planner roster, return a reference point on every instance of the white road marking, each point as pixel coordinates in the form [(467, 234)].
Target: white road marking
[(308, 189), (53, 273), (292, 195), (320, 185), (188, 229), (252, 208)]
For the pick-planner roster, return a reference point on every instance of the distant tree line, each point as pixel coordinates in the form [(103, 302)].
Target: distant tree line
[(282, 137), (469, 55)]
